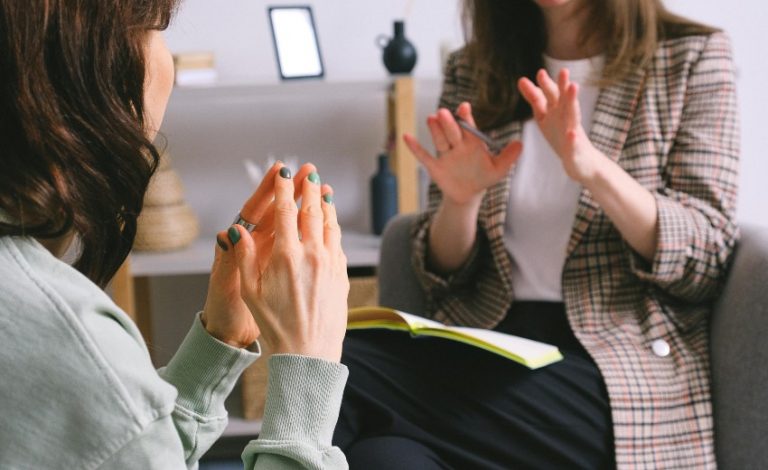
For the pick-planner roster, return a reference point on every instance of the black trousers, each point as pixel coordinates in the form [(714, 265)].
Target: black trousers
[(424, 403)]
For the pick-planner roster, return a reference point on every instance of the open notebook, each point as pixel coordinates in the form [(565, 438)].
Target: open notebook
[(529, 353)]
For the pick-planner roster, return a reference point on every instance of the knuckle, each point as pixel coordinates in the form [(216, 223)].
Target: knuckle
[(332, 225), (285, 207), (314, 258), (313, 211)]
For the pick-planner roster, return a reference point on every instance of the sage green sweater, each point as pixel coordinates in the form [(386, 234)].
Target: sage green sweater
[(78, 390)]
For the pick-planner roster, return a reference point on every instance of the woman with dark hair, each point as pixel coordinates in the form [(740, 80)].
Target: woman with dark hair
[(605, 227), (83, 89)]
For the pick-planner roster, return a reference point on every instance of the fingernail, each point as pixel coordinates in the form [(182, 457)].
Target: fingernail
[(285, 172), (234, 235), (222, 244), (314, 177), (328, 198)]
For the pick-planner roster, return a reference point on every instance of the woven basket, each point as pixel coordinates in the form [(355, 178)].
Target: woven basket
[(363, 291), (165, 189), (163, 228)]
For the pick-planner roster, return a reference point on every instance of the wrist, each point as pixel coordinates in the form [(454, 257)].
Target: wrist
[(326, 354), (598, 172), (470, 207), (220, 336)]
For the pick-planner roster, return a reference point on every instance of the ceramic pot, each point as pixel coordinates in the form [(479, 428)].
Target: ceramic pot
[(398, 53)]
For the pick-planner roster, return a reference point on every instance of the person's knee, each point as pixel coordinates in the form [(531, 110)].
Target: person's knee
[(388, 452)]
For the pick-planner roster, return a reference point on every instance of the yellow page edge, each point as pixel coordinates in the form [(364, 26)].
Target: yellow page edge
[(542, 361)]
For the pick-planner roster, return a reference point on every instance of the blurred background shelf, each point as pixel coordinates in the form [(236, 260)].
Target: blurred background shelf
[(362, 250)]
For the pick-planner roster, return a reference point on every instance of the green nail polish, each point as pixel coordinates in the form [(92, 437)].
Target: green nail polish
[(234, 235), (314, 177), (222, 244), (328, 198), (285, 172)]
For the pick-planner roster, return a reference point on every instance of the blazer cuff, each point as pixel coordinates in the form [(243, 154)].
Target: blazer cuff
[(439, 283), (673, 248)]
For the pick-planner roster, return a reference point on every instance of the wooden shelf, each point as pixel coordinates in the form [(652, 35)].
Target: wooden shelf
[(289, 90), (362, 251)]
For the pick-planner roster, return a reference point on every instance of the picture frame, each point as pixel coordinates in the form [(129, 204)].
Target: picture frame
[(296, 45)]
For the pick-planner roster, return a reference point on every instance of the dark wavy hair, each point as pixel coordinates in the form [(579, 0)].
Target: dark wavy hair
[(74, 153), (506, 40)]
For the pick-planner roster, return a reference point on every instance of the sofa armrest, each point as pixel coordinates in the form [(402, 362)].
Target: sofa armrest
[(398, 286), (739, 349)]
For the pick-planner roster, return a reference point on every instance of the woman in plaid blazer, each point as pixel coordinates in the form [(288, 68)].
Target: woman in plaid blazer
[(653, 232)]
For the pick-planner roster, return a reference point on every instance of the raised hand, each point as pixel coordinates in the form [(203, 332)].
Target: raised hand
[(464, 167), (294, 278), (556, 111)]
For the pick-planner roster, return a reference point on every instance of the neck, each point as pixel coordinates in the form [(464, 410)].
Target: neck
[(57, 246), (565, 24)]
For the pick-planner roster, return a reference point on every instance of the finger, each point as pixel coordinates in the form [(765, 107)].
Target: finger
[(267, 224), (301, 176), (254, 207), (311, 214), (534, 96), (563, 80), (331, 228), (438, 136), (507, 158), (549, 87), (224, 263), (286, 212), (572, 108), (451, 129), (464, 111), (418, 151), (244, 252)]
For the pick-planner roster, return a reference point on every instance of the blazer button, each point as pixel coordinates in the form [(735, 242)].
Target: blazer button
[(660, 348)]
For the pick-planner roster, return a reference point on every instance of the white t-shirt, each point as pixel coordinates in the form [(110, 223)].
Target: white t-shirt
[(543, 199)]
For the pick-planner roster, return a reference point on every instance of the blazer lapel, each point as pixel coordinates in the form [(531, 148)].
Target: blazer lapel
[(493, 213), (611, 121)]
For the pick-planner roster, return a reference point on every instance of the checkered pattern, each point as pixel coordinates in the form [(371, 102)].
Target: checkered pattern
[(673, 126)]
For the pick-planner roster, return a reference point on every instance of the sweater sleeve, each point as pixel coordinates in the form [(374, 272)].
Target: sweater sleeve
[(697, 231), (303, 401), (204, 371)]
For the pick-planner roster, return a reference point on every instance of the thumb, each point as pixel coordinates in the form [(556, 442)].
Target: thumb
[(507, 158), (244, 253)]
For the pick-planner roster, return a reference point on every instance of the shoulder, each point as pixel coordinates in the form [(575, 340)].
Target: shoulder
[(73, 371), (458, 80), (458, 64), (689, 51)]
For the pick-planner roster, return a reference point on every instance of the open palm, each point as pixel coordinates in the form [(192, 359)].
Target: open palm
[(464, 167), (557, 113)]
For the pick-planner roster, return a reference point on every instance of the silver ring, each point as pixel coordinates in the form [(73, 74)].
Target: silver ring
[(239, 220)]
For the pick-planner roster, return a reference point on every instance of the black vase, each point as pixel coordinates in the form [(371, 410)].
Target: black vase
[(383, 195), (399, 53)]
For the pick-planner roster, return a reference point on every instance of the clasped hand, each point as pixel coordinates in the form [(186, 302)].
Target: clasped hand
[(287, 280)]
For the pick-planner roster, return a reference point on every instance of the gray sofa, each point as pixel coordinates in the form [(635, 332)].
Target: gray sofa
[(739, 339)]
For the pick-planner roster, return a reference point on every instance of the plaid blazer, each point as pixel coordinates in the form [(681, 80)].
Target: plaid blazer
[(673, 126)]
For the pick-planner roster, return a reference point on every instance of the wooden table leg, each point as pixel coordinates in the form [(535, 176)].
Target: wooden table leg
[(133, 296)]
